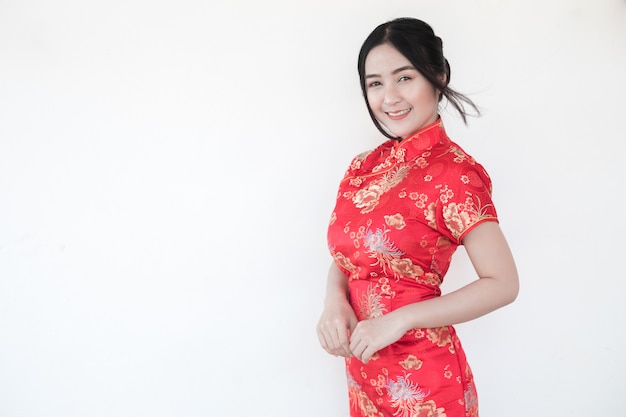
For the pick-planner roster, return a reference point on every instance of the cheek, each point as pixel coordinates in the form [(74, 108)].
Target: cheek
[(426, 101), (374, 100)]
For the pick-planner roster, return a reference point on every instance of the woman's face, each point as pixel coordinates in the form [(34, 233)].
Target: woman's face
[(399, 95)]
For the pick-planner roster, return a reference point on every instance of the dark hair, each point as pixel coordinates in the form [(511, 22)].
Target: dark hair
[(417, 41)]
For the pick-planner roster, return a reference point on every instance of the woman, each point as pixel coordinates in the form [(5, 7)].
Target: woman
[(402, 209)]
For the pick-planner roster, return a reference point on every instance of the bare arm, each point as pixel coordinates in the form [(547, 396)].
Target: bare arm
[(338, 318), (498, 286)]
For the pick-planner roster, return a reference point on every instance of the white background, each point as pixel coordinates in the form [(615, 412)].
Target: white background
[(167, 171)]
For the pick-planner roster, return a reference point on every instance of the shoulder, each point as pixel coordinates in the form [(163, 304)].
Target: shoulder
[(364, 162), (454, 153), (462, 167)]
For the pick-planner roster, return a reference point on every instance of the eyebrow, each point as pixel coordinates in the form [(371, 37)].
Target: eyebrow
[(397, 70)]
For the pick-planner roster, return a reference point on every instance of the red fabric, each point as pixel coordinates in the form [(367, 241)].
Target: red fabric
[(402, 210)]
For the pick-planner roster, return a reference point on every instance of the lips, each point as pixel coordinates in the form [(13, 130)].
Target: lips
[(399, 114)]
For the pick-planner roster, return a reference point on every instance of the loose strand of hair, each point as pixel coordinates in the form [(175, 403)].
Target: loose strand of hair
[(459, 101)]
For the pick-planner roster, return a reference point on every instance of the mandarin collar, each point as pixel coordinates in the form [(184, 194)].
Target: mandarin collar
[(423, 139)]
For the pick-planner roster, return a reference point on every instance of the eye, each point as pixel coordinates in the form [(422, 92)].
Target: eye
[(374, 84), (404, 78)]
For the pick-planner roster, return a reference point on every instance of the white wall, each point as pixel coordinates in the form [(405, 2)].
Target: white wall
[(167, 170)]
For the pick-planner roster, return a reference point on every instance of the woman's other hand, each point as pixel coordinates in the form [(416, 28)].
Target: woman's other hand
[(335, 326)]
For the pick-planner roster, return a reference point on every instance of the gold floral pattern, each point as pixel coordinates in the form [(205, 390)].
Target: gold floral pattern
[(411, 362), (428, 409), (396, 221), (367, 199), (441, 336), (404, 267), (368, 408), (459, 217), (359, 400), (370, 303)]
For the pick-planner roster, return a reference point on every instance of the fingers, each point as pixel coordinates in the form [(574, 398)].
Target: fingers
[(342, 342), (339, 340), (334, 329), (322, 338), (334, 339), (361, 345), (362, 351), (358, 348)]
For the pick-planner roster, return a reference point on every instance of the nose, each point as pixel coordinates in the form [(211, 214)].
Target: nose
[(391, 96)]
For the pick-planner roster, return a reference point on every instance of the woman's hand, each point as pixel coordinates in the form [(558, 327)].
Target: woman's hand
[(372, 335), (335, 326)]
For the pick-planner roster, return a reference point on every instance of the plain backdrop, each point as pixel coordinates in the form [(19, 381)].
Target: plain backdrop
[(168, 169)]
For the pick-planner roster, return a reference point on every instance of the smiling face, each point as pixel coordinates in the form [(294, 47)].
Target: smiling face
[(398, 94)]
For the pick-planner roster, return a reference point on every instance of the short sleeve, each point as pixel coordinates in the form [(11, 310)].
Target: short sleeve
[(464, 200)]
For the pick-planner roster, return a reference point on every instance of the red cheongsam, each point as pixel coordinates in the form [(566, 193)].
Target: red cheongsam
[(402, 209)]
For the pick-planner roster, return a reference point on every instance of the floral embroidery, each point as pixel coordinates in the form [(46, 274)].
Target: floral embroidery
[(368, 408), (471, 400), (445, 194), (417, 333), (380, 383), (344, 263), (460, 156), (430, 215), (428, 409), (396, 155), (367, 198), (395, 177), (458, 217), (421, 162), (396, 221), (380, 247), (385, 288), (404, 395), (441, 336), (470, 397), (359, 400), (421, 200), (356, 182), (405, 268), (371, 305), (353, 390), (358, 160), (431, 278), (411, 362)]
